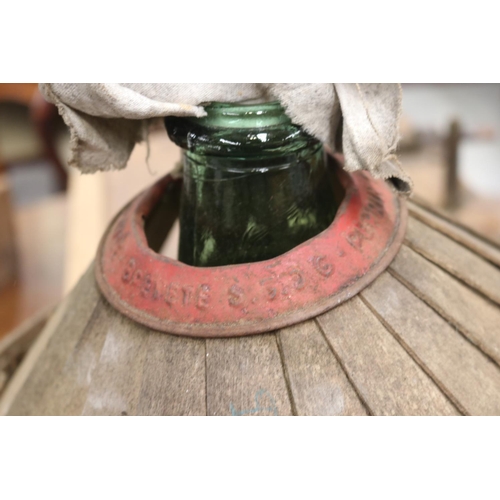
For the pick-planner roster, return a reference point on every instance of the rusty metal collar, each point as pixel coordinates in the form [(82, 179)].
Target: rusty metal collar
[(167, 295)]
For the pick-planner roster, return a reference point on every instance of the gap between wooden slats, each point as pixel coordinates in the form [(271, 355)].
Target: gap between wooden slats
[(485, 249), (477, 318), (317, 382), (386, 377), (454, 258), (245, 377), (465, 374)]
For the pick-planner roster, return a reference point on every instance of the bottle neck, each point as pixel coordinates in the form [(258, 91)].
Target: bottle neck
[(254, 184)]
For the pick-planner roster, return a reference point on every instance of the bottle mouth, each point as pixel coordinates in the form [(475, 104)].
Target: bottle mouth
[(238, 130), (244, 116)]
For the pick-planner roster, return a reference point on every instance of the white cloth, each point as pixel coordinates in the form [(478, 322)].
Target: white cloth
[(107, 119)]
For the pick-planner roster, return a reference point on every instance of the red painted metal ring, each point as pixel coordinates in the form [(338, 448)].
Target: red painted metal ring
[(226, 301)]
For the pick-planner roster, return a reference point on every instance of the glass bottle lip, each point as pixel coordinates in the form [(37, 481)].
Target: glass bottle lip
[(240, 130), (244, 116)]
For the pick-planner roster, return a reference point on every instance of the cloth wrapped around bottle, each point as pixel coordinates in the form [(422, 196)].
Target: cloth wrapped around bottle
[(106, 120)]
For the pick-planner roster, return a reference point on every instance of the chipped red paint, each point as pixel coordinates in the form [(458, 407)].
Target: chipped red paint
[(243, 299)]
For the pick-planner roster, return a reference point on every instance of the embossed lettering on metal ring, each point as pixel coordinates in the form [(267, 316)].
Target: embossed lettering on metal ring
[(243, 299)]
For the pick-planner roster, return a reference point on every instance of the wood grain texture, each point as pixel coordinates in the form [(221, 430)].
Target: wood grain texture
[(69, 395), (173, 379), (454, 258), (318, 383), (468, 377), (387, 378), (473, 315), (117, 378), (461, 235), (245, 377)]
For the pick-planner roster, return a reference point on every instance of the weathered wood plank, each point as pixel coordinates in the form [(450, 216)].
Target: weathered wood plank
[(245, 377), (117, 378), (455, 258), (473, 315), (173, 380), (42, 366), (318, 383), (69, 394), (386, 377), (485, 249), (468, 377)]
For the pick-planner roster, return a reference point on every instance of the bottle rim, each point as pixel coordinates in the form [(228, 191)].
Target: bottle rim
[(224, 115), (240, 130)]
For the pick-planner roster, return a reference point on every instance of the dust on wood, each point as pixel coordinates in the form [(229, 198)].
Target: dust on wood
[(69, 396), (245, 377), (116, 380)]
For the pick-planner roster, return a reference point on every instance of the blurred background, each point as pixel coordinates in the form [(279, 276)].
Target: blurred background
[(52, 217)]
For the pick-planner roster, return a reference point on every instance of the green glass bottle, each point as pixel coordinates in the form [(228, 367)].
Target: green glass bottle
[(254, 184)]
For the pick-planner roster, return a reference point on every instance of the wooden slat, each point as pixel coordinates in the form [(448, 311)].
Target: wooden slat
[(43, 364), (245, 377), (387, 378), (485, 249), (173, 380), (69, 395), (475, 316), (455, 258), (468, 377), (318, 383), (116, 380)]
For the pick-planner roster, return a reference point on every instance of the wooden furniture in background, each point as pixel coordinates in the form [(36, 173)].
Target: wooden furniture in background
[(451, 143), (8, 260)]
